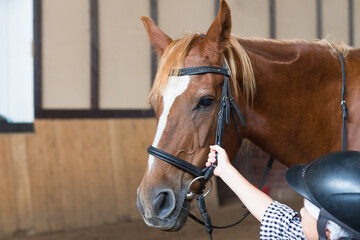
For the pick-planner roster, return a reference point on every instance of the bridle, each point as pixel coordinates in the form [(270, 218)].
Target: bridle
[(227, 105)]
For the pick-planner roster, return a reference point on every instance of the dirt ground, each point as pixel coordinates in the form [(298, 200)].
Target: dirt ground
[(137, 230)]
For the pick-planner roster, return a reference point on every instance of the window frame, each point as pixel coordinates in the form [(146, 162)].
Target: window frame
[(94, 111), (6, 127)]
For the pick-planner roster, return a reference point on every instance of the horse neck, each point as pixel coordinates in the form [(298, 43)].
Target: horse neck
[(295, 116)]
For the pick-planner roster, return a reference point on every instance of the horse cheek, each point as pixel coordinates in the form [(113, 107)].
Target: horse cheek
[(204, 133)]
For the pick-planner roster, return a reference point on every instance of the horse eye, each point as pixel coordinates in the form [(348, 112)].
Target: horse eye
[(205, 102)]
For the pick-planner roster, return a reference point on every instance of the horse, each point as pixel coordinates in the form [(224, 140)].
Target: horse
[(289, 93)]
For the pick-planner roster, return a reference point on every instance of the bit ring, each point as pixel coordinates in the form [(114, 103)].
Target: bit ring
[(190, 194)]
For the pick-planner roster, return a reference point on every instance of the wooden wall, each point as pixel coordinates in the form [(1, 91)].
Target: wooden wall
[(79, 173), (72, 173)]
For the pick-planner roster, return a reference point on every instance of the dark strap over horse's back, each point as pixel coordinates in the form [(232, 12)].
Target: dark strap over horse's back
[(343, 103)]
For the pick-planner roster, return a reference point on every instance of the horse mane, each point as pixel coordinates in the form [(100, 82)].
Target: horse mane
[(336, 47), (174, 56)]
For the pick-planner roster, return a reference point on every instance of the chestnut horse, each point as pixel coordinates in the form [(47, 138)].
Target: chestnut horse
[(288, 92)]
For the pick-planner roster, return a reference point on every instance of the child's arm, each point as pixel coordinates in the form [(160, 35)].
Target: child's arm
[(254, 199)]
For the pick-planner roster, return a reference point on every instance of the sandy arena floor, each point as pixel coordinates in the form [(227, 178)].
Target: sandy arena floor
[(137, 230)]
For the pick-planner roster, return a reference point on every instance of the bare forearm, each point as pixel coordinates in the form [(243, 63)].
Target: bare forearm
[(254, 199)]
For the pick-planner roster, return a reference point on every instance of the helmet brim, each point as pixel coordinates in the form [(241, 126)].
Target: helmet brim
[(296, 179)]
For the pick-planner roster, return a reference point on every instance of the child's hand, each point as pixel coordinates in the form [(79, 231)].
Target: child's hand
[(223, 160)]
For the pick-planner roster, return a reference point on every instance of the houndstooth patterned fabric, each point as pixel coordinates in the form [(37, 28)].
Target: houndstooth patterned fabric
[(280, 222)]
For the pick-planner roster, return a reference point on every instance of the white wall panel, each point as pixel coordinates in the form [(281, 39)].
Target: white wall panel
[(296, 19), (125, 66), (250, 18), (336, 20), (186, 16), (66, 54)]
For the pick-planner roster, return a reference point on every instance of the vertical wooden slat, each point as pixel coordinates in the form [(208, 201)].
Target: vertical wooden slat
[(119, 170), (44, 178), (20, 173), (103, 154), (8, 214), (98, 171), (52, 174), (38, 181), (72, 174), (92, 177)]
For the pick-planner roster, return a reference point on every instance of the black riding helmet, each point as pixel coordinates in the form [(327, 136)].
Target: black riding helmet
[(332, 183)]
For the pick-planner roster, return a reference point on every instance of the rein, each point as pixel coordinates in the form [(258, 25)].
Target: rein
[(227, 105)]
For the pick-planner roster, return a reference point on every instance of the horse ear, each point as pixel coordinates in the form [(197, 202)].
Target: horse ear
[(157, 37), (218, 35)]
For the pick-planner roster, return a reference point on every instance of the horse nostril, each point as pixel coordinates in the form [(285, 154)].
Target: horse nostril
[(164, 203)]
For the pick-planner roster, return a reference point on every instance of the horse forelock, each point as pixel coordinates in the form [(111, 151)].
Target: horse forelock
[(170, 62), (174, 56)]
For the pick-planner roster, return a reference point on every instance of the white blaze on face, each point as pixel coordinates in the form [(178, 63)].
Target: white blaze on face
[(175, 87)]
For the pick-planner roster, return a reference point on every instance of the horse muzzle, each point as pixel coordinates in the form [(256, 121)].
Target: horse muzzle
[(161, 209)]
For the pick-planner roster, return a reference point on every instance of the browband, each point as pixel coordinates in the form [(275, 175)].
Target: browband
[(202, 70)]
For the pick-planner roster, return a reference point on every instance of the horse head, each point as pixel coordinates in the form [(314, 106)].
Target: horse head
[(186, 110), (296, 82)]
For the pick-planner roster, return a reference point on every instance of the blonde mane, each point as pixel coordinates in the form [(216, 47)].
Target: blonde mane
[(336, 47), (174, 56)]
